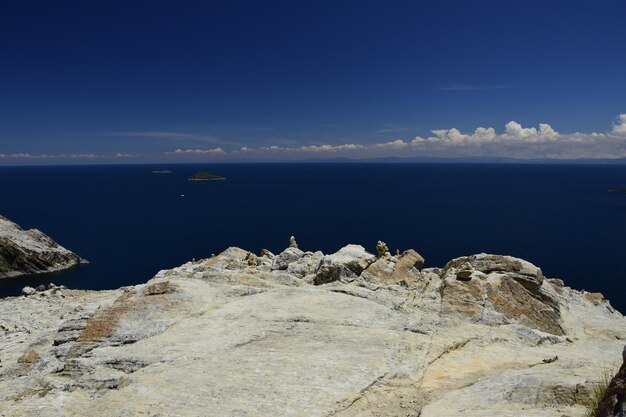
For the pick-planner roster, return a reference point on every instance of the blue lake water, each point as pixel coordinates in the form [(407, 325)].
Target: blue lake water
[(130, 223)]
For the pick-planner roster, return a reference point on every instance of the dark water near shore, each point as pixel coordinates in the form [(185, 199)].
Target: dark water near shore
[(130, 223)]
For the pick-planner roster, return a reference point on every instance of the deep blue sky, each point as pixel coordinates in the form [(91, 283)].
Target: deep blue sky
[(150, 77)]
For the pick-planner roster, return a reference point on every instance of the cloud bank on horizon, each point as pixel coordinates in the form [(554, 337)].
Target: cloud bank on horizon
[(515, 142)]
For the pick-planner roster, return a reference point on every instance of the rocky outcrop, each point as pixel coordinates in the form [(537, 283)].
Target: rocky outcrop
[(31, 252), (307, 334), (500, 289), (344, 265)]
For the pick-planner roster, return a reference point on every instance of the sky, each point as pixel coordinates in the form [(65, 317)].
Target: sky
[(195, 81)]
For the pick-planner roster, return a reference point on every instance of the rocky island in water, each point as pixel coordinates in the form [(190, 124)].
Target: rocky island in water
[(303, 333), (205, 176)]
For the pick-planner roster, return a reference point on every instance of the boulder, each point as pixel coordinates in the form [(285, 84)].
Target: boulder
[(403, 269), (527, 274), (345, 264), (28, 290), (500, 289), (379, 271), (289, 255), (409, 259), (306, 265), (407, 268)]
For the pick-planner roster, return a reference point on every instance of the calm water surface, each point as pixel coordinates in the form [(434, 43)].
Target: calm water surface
[(130, 223)]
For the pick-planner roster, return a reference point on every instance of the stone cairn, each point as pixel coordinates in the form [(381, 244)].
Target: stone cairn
[(382, 249), (293, 243)]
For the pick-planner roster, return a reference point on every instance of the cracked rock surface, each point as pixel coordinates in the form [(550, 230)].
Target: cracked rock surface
[(307, 334)]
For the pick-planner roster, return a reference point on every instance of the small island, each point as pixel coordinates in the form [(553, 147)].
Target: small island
[(162, 171), (205, 176), (619, 190)]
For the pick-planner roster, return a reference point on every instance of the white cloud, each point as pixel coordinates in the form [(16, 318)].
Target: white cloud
[(452, 135), (516, 130), (515, 141), (214, 151), (394, 144), (27, 155), (524, 143), (546, 131), (485, 134), (309, 148), (326, 148), (620, 127)]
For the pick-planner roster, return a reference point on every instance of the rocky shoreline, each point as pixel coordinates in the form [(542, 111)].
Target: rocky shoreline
[(304, 333), (24, 252)]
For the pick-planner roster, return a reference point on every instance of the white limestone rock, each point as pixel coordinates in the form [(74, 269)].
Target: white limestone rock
[(306, 265), (345, 264), (283, 259), (28, 290), (224, 337)]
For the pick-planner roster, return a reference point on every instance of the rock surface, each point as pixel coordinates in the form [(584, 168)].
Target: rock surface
[(30, 252), (344, 334)]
